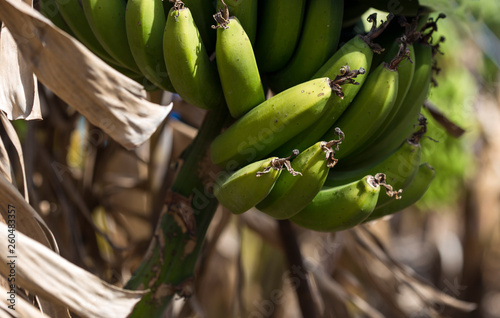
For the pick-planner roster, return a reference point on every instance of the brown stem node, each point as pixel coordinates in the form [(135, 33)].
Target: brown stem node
[(380, 178)]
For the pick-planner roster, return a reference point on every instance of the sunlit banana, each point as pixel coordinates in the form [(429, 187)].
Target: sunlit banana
[(237, 66), (404, 121), (244, 188), (246, 12), (278, 31), (107, 20), (368, 109), (405, 69), (191, 72), (357, 55), (341, 207), (411, 193), (291, 193), (145, 24), (73, 14), (318, 40), (202, 12), (270, 124), (399, 167), (50, 10)]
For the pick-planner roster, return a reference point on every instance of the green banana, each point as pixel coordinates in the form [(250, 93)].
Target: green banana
[(278, 31), (405, 71), (50, 10), (368, 109), (191, 72), (411, 193), (73, 14), (145, 24), (356, 54), (318, 40), (271, 123), (244, 188), (405, 75), (107, 20), (202, 11), (237, 66), (291, 193), (399, 167), (341, 207), (246, 12), (404, 121)]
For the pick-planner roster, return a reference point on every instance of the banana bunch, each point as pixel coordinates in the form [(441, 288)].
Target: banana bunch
[(343, 120)]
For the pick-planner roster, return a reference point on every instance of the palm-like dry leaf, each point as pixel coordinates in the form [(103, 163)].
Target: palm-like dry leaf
[(27, 220), (104, 96), (18, 86), (22, 308), (5, 165), (45, 273), (14, 138)]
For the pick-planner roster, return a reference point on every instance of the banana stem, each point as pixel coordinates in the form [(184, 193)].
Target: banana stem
[(168, 267), (294, 257)]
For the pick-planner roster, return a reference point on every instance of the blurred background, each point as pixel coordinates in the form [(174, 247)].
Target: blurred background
[(439, 258)]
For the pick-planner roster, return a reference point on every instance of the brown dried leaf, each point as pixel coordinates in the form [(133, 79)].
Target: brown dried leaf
[(108, 99), (18, 86), (14, 138), (53, 278), (27, 220), (5, 165), (22, 308)]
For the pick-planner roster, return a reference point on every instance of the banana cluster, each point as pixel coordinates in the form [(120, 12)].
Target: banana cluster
[(300, 102)]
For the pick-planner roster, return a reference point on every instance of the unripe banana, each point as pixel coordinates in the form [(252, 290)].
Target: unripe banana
[(202, 11), (145, 24), (341, 207), (237, 67), (318, 40), (404, 121), (368, 110), (411, 194), (73, 14), (246, 12), (291, 194), (107, 20), (192, 74), (270, 124), (399, 167), (244, 188), (405, 70), (50, 10), (278, 31), (356, 54)]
